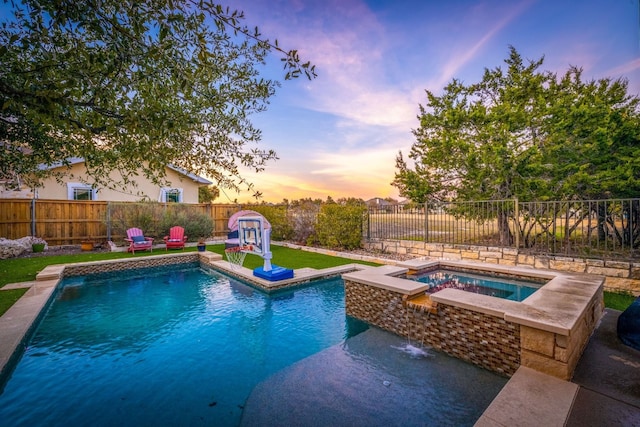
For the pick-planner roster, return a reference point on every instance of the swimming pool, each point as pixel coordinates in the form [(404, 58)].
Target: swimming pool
[(108, 349), (514, 290), (170, 346)]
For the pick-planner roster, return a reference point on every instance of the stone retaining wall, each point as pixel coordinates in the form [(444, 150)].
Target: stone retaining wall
[(486, 341), (620, 276)]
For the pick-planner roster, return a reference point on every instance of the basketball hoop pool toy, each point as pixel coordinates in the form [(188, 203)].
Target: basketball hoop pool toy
[(254, 236), (236, 255)]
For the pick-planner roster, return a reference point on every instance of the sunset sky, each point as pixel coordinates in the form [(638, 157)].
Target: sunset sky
[(339, 134)]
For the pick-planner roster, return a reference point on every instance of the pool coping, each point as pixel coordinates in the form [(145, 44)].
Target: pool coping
[(301, 276), (17, 321), (531, 398)]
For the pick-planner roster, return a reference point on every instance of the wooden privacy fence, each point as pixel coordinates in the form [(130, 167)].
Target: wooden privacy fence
[(70, 222)]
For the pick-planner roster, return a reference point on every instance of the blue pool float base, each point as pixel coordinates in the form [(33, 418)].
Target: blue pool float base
[(276, 273)]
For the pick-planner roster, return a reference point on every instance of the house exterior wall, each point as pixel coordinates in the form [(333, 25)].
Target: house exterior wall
[(145, 189), (23, 193)]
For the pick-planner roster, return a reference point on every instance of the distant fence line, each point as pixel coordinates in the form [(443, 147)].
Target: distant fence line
[(587, 228), (69, 222)]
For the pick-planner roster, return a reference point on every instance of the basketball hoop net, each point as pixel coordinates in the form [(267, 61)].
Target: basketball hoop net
[(236, 256)]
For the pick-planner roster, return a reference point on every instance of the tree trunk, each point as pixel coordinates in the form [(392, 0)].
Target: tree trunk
[(506, 237), (601, 211)]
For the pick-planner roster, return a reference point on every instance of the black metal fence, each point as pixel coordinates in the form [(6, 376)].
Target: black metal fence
[(585, 228)]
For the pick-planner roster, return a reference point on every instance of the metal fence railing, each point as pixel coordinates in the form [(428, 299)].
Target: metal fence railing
[(587, 228)]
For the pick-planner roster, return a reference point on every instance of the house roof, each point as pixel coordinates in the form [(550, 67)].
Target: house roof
[(196, 178), (379, 201), (77, 160)]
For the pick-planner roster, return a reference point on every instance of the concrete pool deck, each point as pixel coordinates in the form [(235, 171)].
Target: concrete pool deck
[(605, 388)]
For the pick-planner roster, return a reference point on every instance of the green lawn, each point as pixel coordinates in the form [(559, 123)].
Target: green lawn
[(618, 301), (9, 297), (25, 269)]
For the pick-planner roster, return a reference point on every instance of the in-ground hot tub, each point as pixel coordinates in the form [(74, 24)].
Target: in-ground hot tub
[(547, 331), (499, 286)]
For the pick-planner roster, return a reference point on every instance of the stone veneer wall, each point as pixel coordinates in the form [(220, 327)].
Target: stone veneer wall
[(127, 264), (557, 354), (486, 341), (620, 275), (376, 306)]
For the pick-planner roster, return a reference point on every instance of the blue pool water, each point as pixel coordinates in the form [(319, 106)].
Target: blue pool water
[(515, 290), (165, 347)]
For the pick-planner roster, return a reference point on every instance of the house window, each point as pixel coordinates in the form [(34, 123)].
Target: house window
[(82, 194), (171, 195), (77, 191)]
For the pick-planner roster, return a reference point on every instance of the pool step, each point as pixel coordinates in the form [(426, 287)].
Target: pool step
[(50, 272)]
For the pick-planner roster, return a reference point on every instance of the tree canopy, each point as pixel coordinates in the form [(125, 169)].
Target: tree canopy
[(131, 86), (525, 133), (208, 194)]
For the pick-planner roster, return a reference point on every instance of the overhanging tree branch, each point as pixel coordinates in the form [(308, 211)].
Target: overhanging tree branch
[(172, 81)]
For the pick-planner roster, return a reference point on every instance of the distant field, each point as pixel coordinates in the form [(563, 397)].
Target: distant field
[(567, 234), (438, 227)]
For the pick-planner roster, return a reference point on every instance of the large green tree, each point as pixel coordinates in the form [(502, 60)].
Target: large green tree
[(133, 85), (526, 133)]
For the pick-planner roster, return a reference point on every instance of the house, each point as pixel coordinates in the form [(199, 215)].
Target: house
[(11, 184), (380, 205), (11, 187), (75, 185), (407, 205)]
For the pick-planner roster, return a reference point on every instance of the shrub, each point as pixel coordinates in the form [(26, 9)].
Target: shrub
[(303, 219), (277, 217), (196, 224), (141, 215), (340, 227), (155, 219)]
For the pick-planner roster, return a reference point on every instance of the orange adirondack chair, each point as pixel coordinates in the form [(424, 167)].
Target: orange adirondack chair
[(176, 238), (137, 241)]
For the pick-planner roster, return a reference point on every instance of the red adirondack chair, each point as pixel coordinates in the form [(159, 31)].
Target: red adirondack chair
[(137, 241), (176, 238)]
